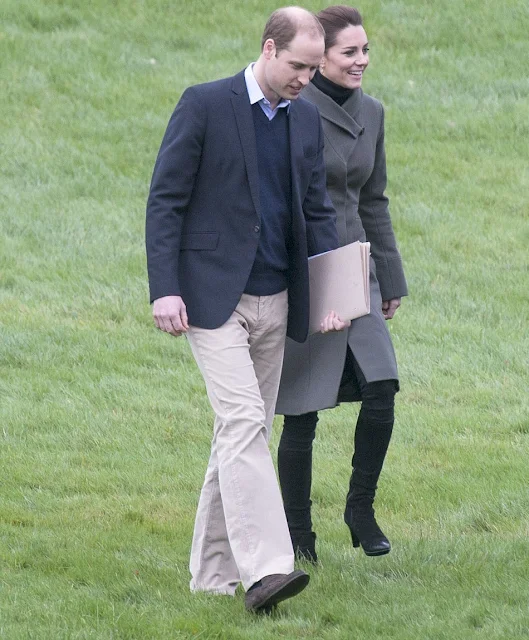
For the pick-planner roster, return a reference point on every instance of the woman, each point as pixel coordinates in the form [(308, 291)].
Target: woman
[(357, 364)]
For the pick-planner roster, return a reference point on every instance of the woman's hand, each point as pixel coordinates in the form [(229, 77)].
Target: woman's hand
[(332, 322), (389, 307)]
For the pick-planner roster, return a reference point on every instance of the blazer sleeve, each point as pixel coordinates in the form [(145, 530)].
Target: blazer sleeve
[(320, 216), (171, 187), (373, 209)]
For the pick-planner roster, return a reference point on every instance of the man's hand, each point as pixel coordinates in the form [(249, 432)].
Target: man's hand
[(170, 315), (332, 322), (389, 307)]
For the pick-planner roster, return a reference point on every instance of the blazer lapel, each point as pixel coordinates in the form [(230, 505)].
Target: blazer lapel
[(296, 150), (244, 119)]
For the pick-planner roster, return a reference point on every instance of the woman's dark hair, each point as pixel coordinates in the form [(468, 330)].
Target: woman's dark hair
[(336, 18)]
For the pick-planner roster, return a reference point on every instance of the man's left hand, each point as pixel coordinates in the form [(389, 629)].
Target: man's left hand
[(389, 307)]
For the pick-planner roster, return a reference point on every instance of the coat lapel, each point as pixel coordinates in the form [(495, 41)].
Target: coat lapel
[(345, 117), (244, 118)]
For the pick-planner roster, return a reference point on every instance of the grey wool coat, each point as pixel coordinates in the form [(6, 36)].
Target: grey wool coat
[(356, 180)]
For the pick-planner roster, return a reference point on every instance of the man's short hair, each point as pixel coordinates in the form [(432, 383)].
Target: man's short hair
[(285, 23)]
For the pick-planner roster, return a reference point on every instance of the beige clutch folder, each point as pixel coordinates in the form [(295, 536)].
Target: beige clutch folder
[(339, 281)]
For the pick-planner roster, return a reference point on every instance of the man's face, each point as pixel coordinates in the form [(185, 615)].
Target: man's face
[(287, 72)]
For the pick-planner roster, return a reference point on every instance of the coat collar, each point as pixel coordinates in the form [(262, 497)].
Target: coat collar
[(346, 116), (238, 84)]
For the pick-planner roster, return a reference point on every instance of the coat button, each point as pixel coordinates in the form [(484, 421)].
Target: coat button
[(257, 228)]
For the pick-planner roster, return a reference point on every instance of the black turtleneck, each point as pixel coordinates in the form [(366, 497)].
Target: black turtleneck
[(335, 91)]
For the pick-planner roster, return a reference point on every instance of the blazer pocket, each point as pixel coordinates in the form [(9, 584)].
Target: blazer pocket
[(310, 153), (199, 241)]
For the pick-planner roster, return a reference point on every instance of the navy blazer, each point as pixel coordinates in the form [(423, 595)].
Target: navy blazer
[(203, 212)]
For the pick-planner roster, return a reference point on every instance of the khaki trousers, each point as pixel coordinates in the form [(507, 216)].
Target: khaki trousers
[(241, 533)]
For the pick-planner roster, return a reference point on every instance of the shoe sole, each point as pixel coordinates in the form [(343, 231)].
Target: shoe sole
[(373, 554), (295, 585)]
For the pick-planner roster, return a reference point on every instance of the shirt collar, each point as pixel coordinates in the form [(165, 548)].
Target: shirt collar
[(254, 90)]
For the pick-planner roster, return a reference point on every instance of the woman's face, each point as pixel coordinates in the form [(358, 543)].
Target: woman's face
[(345, 62)]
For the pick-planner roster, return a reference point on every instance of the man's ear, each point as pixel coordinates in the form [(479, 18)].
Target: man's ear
[(269, 49)]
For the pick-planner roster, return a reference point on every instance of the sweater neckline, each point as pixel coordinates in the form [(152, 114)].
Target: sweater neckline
[(335, 91)]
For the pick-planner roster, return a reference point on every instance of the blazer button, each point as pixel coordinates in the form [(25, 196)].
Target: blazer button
[(257, 228)]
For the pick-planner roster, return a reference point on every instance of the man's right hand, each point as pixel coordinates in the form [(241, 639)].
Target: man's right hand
[(170, 315)]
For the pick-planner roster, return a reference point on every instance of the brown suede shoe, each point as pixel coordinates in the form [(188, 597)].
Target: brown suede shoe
[(272, 589)]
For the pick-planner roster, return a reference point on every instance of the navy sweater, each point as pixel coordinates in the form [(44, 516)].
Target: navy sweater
[(268, 275)]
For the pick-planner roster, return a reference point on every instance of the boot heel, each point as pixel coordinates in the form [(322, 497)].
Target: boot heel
[(356, 541), (366, 533)]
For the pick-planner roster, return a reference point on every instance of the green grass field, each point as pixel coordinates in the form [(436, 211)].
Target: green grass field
[(104, 424)]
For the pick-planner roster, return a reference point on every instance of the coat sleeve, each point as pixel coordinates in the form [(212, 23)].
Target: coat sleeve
[(170, 192), (374, 212), (320, 216)]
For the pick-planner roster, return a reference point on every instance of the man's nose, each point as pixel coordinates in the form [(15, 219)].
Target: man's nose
[(304, 78)]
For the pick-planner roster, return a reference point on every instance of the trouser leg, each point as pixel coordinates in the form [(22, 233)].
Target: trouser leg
[(254, 532), (212, 565)]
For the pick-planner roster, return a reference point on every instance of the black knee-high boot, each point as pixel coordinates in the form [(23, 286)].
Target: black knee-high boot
[(294, 460), (372, 436)]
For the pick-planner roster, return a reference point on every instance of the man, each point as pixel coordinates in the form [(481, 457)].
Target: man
[(237, 202)]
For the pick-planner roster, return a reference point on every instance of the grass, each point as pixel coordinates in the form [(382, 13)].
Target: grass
[(104, 424)]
